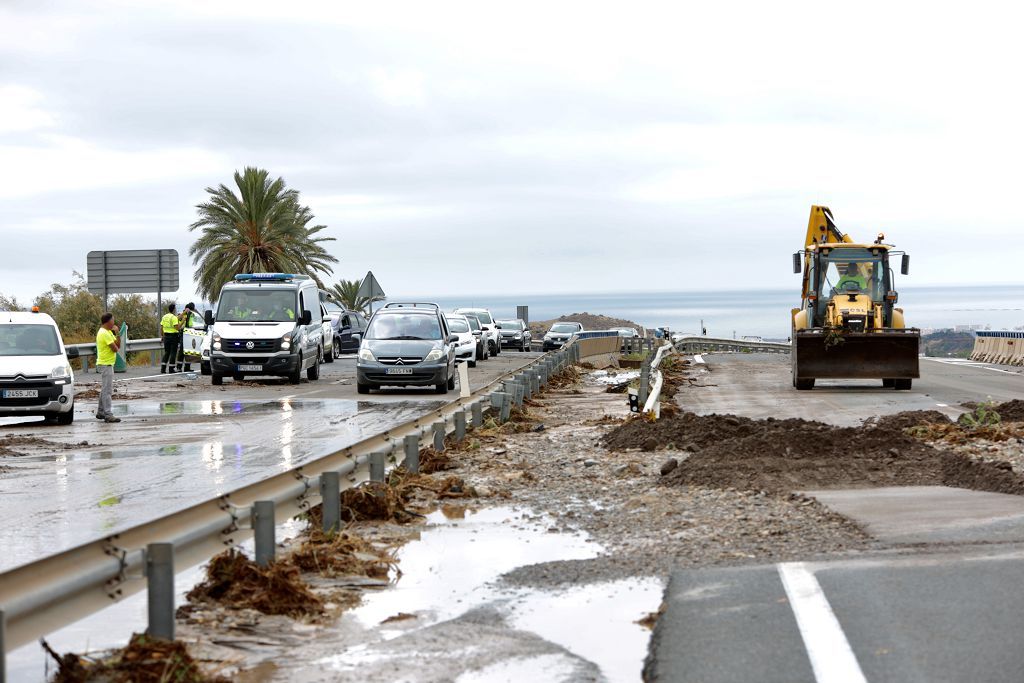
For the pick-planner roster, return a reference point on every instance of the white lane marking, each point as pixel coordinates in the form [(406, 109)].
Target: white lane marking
[(942, 405), (831, 657), (969, 363)]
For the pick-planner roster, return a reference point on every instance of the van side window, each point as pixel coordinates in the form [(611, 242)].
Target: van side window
[(302, 305)]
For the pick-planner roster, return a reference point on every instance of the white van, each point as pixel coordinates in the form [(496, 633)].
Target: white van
[(267, 324), (492, 330), (35, 375)]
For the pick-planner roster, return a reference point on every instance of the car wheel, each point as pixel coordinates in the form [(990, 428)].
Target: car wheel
[(336, 349), (329, 357), (525, 346), (451, 381), (313, 372), (362, 388), (204, 369), (441, 388), (296, 376), (65, 418), (472, 363), (216, 379)]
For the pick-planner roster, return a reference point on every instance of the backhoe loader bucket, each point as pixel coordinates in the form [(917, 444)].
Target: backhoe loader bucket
[(887, 354)]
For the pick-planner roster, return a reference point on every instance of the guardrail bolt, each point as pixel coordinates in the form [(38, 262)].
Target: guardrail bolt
[(330, 501), (159, 589), (263, 530), (477, 413), (412, 453), (439, 429), (460, 425), (377, 466)]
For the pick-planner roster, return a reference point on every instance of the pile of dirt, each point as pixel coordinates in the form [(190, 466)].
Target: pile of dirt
[(789, 455), (1011, 411), (93, 393), (376, 500), (6, 443), (907, 419), (143, 660), (343, 554), (590, 321), (564, 379), (233, 580)]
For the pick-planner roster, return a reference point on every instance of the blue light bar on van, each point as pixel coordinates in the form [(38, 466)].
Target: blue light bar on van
[(245, 277)]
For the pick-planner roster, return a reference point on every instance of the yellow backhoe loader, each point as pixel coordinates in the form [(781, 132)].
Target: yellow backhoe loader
[(848, 326)]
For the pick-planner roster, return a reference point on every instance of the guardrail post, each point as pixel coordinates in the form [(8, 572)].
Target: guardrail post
[(412, 453), (377, 466), (439, 429), (263, 531), (460, 425), (330, 501), (645, 381), (160, 589), (477, 412), (527, 385), (534, 383)]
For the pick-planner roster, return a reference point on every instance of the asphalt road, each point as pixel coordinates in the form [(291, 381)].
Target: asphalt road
[(181, 442), (926, 618), (759, 385)]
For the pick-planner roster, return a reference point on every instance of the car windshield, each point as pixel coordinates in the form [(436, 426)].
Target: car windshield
[(257, 305), (484, 317), (457, 326), (510, 324), (28, 340), (474, 324), (565, 327), (404, 326), (333, 308)]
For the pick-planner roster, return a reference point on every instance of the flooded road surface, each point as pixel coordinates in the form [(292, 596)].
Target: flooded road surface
[(449, 617), (58, 492)]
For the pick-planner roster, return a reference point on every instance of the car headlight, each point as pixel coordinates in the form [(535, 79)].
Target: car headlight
[(286, 341), (518, 336), (216, 342), (367, 356), (61, 371), (434, 355)]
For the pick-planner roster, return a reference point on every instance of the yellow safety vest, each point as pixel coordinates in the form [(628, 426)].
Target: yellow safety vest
[(169, 323)]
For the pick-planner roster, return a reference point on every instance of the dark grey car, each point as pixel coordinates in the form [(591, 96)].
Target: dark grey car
[(407, 345), (515, 334)]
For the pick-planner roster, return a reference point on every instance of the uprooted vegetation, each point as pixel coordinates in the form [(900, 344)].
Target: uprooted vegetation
[(143, 660), (341, 554), (233, 580), (727, 451)]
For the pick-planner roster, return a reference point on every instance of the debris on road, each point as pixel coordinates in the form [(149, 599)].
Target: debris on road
[(233, 580), (341, 554), (143, 660)]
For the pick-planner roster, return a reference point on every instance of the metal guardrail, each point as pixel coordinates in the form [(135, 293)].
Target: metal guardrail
[(709, 344), (47, 594), (85, 351)]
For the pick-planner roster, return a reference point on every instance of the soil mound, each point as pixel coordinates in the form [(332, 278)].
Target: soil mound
[(787, 455), (907, 419), (1011, 411)]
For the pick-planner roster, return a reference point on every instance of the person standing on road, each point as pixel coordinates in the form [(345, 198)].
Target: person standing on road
[(183, 364), (170, 332), (107, 346)]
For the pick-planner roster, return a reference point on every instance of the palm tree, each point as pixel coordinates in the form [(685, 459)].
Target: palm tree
[(345, 291), (262, 229)]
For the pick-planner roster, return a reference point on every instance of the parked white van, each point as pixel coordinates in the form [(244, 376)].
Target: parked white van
[(35, 375)]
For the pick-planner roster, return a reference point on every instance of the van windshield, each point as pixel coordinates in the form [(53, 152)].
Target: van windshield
[(28, 340), (412, 326), (257, 305)]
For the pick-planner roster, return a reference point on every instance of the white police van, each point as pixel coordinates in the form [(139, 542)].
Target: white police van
[(267, 324), (35, 375)]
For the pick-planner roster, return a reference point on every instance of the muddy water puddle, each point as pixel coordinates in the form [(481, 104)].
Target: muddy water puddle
[(450, 590)]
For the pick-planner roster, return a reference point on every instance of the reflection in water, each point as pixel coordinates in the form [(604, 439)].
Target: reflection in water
[(287, 434)]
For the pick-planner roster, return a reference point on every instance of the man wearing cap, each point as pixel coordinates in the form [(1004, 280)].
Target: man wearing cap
[(170, 332), (107, 346)]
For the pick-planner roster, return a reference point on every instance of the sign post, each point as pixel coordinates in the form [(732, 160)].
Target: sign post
[(371, 289)]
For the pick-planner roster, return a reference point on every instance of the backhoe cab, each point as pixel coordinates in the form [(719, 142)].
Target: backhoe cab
[(848, 326)]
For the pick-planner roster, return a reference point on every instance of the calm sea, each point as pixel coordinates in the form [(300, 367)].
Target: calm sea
[(764, 313)]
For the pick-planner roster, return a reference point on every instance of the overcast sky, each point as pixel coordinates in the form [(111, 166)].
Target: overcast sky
[(522, 147)]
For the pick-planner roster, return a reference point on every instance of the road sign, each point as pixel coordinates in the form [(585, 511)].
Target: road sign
[(371, 289), (132, 271)]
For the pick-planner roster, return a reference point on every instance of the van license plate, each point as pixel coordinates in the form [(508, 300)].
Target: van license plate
[(399, 371), (21, 393), (250, 368)]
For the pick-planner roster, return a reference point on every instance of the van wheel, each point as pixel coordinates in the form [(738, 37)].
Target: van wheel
[(296, 377), (362, 388), (216, 379), (888, 383), (66, 418), (804, 384), (204, 369), (313, 372), (451, 381)]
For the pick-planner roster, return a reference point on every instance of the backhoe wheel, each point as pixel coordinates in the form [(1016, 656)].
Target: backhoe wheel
[(804, 384), (902, 384), (888, 383)]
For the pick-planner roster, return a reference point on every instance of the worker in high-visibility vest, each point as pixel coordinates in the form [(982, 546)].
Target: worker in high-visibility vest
[(170, 332), (185, 320)]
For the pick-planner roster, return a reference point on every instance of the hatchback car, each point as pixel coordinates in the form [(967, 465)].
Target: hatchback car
[(348, 327), (483, 349), (515, 334), (492, 330), (407, 344), (560, 333), (466, 348)]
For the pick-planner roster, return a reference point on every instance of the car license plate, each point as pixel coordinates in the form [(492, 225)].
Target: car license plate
[(399, 371), (21, 393), (250, 368)]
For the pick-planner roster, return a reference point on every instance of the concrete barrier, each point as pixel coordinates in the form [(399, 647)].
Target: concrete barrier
[(999, 346), (598, 346)]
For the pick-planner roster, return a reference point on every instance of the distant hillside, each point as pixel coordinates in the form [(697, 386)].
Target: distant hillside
[(951, 344), (590, 321)]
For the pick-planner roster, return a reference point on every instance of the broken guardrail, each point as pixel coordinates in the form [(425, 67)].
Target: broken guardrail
[(695, 344)]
